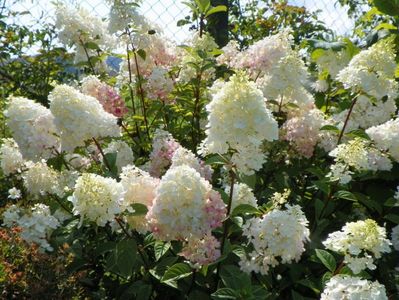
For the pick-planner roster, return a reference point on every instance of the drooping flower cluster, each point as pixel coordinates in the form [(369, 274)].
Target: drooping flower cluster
[(238, 120), (97, 198), (183, 156), (111, 101), (359, 155), (140, 188), (353, 288), (36, 223), (11, 160), (78, 27), (302, 130), (242, 194), (163, 148), (79, 117), (372, 71), (361, 242), (386, 137), (124, 154), (33, 129), (185, 206), (201, 251), (277, 237)]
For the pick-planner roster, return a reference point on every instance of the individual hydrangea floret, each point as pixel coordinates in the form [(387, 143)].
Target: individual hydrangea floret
[(278, 237), (353, 288), (11, 160), (203, 251), (36, 223), (97, 198), (14, 193), (185, 206), (80, 117), (33, 128), (372, 71), (140, 188), (361, 242), (242, 194), (238, 120), (124, 154)]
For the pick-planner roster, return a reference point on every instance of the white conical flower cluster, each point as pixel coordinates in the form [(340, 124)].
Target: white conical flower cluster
[(79, 117), (361, 242), (238, 120), (33, 129), (386, 137), (11, 160), (279, 236)]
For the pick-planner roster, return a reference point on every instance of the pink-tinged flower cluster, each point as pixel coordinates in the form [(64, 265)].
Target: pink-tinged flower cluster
[(201, 251), (163, 149), (302, 131), (111, 101), (185, 206)]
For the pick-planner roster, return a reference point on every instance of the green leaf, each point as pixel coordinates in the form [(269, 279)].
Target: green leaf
[(345, 195), (233, 277), (389, 7), (330, 128), (160, 248), (393, 218), (126, 251), (245, 209), (216, 9), (326, 45), (326, 259), (92, 45), (139, 209), (142, 53), (386, 26), (203, 5), (358, 133), (176, 272), (249, 180), (225, 293)]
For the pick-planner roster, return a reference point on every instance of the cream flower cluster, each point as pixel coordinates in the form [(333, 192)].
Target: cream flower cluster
[(183, 156), (332, 61), (40, 179), (259, 57), (163, 148), (37, 223), (238, 120), (122, 14), (111, 101), (372, 71), (79, 117), (78, 26), (242, 194), (386, 137), (302, 130), (203, 251), (124, 154), (353, 288), (140, 188), (277, 237), (361, 242), (185, 206), (366, 114), (359, 155), (97, 198), (11, 160), (159, 85), (33, 128)]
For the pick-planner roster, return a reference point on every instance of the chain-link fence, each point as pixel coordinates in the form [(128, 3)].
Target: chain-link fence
[(167, 12)]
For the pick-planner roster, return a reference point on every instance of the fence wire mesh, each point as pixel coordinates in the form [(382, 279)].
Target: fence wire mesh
[(166, 13)]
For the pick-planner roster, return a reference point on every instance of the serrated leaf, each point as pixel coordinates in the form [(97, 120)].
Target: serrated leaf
[(216, 9), (126, 251), (326, 259), (393, 218), (225, 293), (245, 209), (92, 45), (142, 54), (139, 209), (330, 128), (176, 272)]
